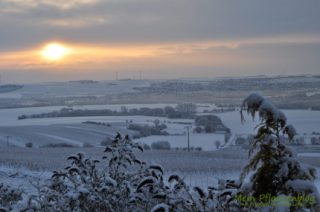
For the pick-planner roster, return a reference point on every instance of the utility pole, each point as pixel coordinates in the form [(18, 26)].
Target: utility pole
[(188, 136)]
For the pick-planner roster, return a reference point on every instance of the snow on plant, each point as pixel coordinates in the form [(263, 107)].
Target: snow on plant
[(118, 182), (122, 182), (274, 169), (9, 197), (83, 186)]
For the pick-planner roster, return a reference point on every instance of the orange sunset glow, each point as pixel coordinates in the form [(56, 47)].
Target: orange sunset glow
[(69, 56), (88, 38), (66, 56), (55, 51)]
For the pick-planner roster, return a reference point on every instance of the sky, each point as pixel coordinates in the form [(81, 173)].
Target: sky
[(161, 39)]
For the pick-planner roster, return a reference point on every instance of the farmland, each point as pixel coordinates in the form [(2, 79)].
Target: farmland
[(199, 168), (19, 164), (43, 131), (288, 92)]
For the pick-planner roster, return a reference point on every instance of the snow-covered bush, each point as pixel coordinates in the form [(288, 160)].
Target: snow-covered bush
[(299, 141), (9, 197), (122, 182), (146, 146), (106, 141), (87, 145), (208, 124), (147, 130), (217, 144), (83, 186), (29, 145), (55, 145), (117, 182), (315, 141), (227, 135), (272, 166), (161, 145)]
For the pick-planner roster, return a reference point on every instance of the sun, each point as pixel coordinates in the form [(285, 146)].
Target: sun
[(55, 51)]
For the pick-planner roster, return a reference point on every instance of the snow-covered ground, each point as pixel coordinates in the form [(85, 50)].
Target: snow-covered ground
[(63, 89), (20, 166), (9, 117), (73, 134), (197, 168), (305, 121), (310, 154), (205, 141), (20, 177), (24, 178), (312, 93)]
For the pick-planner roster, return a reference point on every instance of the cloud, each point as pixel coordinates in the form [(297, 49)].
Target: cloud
[(213, 52), (153, 21), (76, 22), (16, 6), (163, 34)]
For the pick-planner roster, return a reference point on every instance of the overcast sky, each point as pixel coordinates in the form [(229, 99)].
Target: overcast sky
[(159, 38)]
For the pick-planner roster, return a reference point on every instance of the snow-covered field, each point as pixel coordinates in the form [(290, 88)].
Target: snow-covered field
[(199, 168), (73, 134), (63, 129), (305, 121), (312, 93), (9, 117), (205, 141), (33, 163), (310, 154), (63, 89)]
